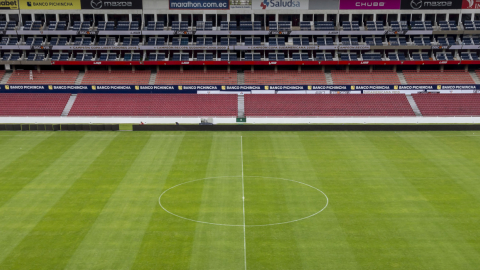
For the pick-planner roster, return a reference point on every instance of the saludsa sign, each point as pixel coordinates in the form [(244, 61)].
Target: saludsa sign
[(280, 4)]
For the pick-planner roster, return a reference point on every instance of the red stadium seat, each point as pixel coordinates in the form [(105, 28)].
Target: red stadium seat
[(285, 77), (32, 104), (364, 77), (125, 77), (448, 104), (154, 105), (438, 77), (298, 105), (196, 77), (66, 77)]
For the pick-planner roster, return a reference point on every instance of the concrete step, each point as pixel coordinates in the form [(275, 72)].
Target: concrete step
[(401, 77), (6, 77), (79, 79), (69, 105), (153, 76), (329, 78), (475, 77), (414, 106), (241, 106), (240, 78)]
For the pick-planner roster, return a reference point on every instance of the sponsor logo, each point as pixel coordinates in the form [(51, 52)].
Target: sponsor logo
[(185, 63), (471, 4), (369, 4), (364, 62), (264, 4), (111, 4), (279, 4), (272, 63), (280, 32), (418, 4), (443, 62), (97, 63), (8, 4), (96, 4), (183, 32), (199, 4)]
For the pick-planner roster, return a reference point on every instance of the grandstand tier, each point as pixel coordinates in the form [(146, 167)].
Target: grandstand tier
[(66, 77), (154, 105), (15, 104), (438, 77), (196, 77), (124, 77), (284, 77), (364, 77), (298, 105), (448, 104)]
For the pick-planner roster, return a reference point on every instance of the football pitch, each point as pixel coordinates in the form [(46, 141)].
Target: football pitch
[(239, 200)]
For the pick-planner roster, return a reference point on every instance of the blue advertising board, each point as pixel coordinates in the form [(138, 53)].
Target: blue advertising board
[(200, 4), (193, 89)]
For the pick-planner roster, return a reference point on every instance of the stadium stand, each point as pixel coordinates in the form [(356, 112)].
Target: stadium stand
[(154, 105), (196, 77), (438, 77), (32, 104), (364, 77), (285, 77), (43, 77), (117, 77), (448, 104), (297, 105), (2, 73)]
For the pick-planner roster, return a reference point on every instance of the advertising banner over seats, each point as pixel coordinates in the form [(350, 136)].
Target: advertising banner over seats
[(369, 4), (431, 4), (279, 4), (200, 4), (48, 4), (111, 4), (471, 4), (8, 4)]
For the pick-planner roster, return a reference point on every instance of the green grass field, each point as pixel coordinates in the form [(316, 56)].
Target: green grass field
[(90, 200)]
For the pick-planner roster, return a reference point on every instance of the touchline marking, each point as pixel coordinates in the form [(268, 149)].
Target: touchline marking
[(243, 200), (238, 225)]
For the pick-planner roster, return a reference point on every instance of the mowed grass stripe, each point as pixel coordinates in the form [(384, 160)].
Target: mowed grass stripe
[(32, 163), (320, 239), (23, 211), (115, 237), (221, 247), (15, 144), (168, 240), (376, 217), (396, 206), (451, 198), (56, 237), (270, 247)]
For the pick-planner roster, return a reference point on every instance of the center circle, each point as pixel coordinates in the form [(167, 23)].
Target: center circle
[(249, 201)]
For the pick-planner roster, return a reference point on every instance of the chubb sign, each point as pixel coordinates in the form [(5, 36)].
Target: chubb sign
[(280, 4)]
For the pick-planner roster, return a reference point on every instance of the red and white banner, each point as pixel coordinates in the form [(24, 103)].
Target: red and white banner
[(471, 4)]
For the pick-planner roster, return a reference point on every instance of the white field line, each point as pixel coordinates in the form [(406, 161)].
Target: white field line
[(243, 200)]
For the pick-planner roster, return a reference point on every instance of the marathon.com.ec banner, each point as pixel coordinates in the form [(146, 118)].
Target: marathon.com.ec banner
[(200, 4)]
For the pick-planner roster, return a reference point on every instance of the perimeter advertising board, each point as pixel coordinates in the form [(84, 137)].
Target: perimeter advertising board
[(431, 4), (471, 4), (111, 4), (280, 4), (50, 4), (369, 4), (8, 4), (200, 4)]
